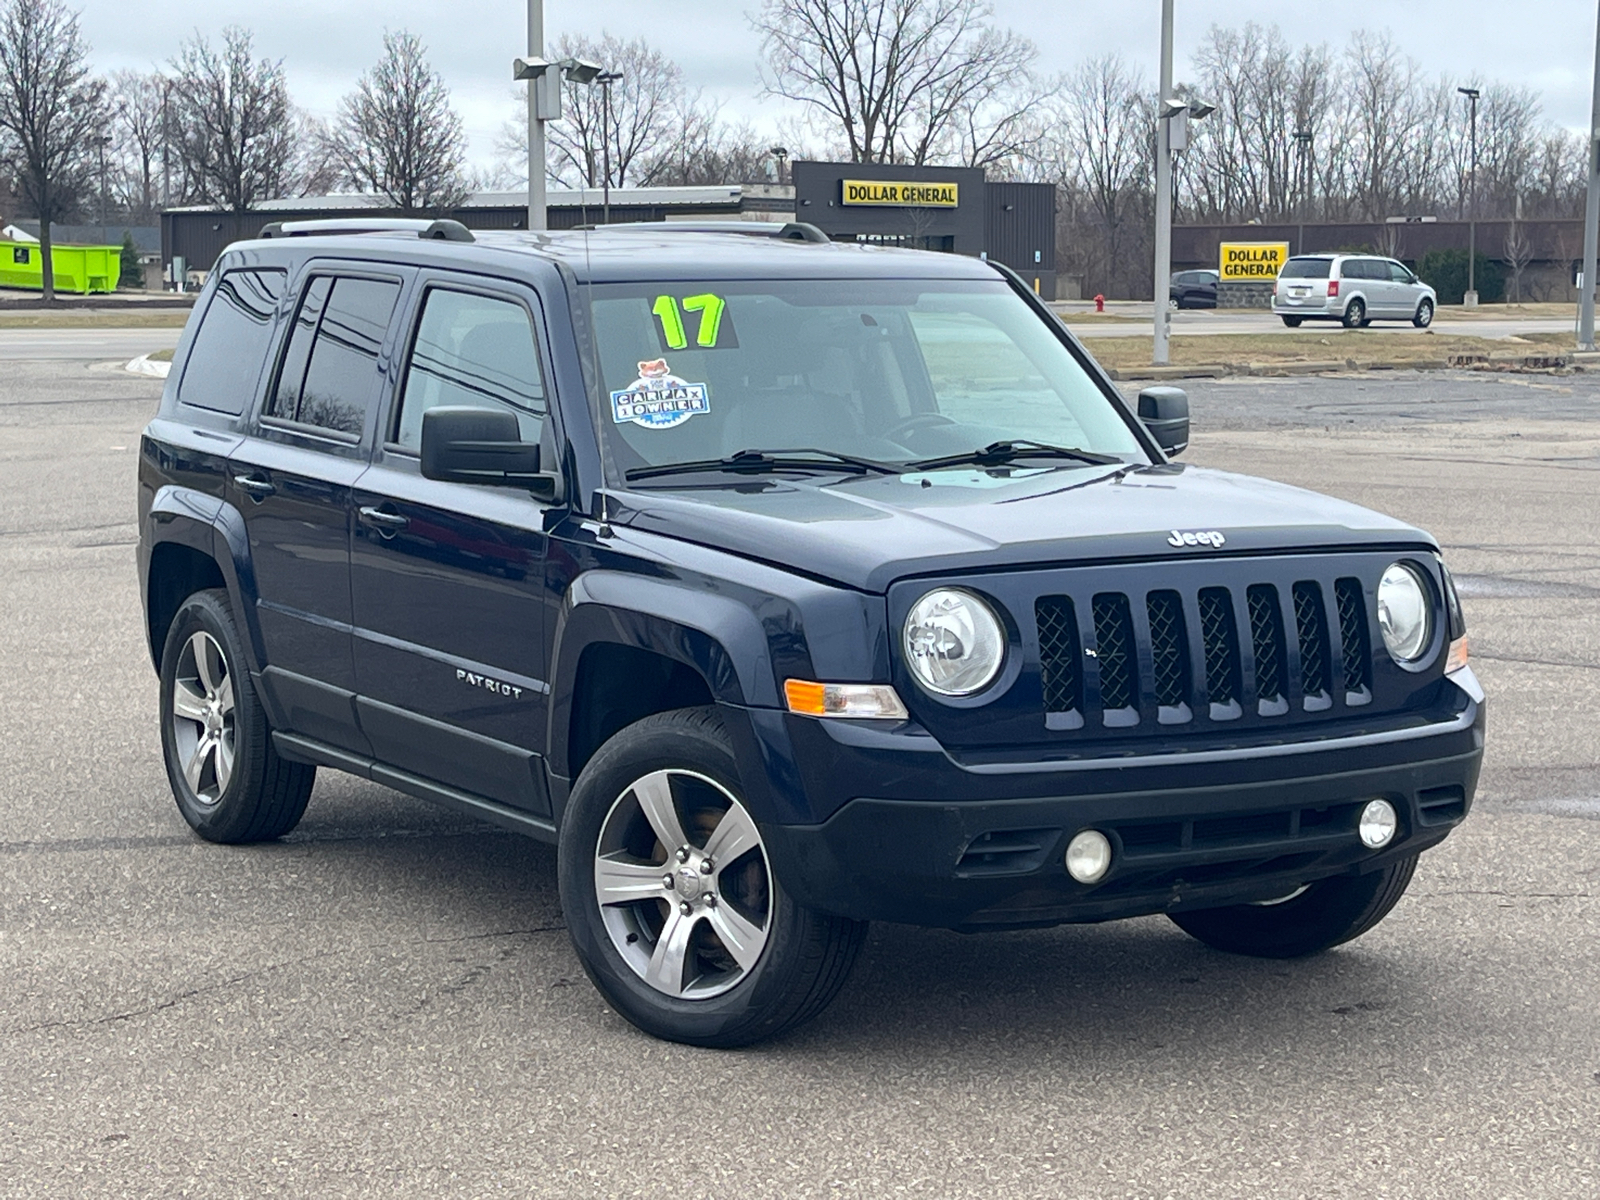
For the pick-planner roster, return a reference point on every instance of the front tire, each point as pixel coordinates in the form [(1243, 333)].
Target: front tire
[(229, 782), (670, 898), (1424, 315), (1325, 914), (1355, 315)]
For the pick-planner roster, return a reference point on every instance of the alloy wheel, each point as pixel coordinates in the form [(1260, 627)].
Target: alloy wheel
[(203, 726), (683, 883)]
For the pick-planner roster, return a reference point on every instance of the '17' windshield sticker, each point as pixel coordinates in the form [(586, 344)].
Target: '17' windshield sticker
[(713, 329), (658, 399)]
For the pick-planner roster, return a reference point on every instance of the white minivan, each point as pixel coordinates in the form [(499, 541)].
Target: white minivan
[(1356, 289)]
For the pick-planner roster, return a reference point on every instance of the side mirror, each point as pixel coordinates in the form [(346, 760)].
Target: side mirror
[(481, 445), (1165, 413)]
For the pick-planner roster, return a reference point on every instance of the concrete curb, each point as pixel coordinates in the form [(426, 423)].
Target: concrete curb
[(1518, 363), (144, 366)]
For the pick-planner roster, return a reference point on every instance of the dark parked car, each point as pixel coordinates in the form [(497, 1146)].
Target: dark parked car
[(1194, 289), (785, 586)]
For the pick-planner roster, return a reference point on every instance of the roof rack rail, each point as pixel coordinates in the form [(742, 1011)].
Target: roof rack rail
[(442, 230), (790, 231)]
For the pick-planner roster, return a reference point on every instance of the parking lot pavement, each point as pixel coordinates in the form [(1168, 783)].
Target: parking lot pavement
[(83, 344), (1203, 322), (385, 1003)]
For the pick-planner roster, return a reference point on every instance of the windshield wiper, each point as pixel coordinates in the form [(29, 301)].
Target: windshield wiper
[(999, 453), (757, 461)]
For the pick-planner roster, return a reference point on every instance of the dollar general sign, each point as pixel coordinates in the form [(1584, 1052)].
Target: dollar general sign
[(902, 195), (1243, 262)]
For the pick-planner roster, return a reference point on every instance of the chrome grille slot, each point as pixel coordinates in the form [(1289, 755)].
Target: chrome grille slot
[(1117, 654), (1060, 659), (1311, 623), (1355, 650), (1266, 638)]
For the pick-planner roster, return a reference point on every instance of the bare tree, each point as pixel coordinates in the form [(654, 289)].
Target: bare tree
[(316, 169), (1105, 155), (397, 135), (897, 78), (706, 150), (138, 104), (234, 120), (1518, 252), (51, 109)]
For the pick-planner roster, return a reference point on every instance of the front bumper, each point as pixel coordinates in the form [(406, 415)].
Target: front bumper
[(1184, 834)]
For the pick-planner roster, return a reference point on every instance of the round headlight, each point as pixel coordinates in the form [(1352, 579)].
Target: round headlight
[(1404, 613), (954, 642)]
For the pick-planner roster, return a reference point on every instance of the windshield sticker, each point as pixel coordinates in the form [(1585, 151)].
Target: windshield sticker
[(713, 328), (658, 399)]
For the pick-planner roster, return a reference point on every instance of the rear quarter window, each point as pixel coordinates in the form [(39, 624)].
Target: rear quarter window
[(1306, 268), (224, 363)]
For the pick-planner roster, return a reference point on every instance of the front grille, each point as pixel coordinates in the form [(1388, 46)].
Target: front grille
[(1355, 654), (1221, 638), (1116, 651), (1266, 636), (1256, 652), (1169, 649), (1060, 660), (1311, 623)]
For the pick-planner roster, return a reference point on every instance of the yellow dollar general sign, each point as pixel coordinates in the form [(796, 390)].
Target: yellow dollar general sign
[(903, 195), (1243, 262)]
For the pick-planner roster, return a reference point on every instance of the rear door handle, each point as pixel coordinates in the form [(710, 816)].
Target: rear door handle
[(383, 520), (254, 486)]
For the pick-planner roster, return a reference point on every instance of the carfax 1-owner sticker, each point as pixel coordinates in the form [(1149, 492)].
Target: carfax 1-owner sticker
[(658, 399)]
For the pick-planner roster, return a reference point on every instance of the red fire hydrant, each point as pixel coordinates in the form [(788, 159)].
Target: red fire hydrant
[(1099, 303)]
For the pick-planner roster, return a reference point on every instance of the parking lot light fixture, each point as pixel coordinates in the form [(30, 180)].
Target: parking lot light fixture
[(1471, 298), (1591, 214)]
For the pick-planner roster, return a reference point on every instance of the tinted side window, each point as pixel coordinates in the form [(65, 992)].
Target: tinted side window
[(1398, 274), (475, 351), (285, 398), (231, 342), (349, 318)]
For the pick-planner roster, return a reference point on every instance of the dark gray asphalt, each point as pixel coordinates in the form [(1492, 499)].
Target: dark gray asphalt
[(385, 1003)]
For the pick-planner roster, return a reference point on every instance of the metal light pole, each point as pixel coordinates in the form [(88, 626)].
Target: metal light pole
[(781, 153), (1302, 139), (605, 79), (536, 195), (1470, 300), (1163, 280), (1591, 215)]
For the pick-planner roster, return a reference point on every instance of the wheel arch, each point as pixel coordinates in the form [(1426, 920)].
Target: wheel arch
[(195, 542), (629, 646)]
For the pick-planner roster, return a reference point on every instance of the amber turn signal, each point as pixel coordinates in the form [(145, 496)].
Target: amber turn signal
[(872, 701)]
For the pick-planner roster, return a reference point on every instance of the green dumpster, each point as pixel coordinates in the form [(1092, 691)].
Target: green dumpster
[(81, 269)]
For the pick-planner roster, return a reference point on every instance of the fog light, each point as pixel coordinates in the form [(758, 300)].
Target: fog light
[(1089, 856), (1378, 823)]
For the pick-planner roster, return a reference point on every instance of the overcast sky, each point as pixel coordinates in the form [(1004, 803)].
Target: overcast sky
[(326, 44)]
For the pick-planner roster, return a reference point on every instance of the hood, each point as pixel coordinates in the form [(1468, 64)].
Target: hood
[(866, 532)]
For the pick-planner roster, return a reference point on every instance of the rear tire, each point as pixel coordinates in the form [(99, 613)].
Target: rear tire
[(724, 956), (1292, 322), (1327, 913), (230, 784), (1355, 315), (1424, 315)]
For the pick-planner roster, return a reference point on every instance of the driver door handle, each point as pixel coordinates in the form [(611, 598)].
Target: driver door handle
[(252, 485), (383, 520)]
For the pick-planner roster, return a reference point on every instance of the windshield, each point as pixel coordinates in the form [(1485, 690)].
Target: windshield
[(1306, 268), (894, 371)]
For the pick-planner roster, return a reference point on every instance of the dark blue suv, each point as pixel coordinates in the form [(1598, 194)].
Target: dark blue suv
[(784, 585)]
